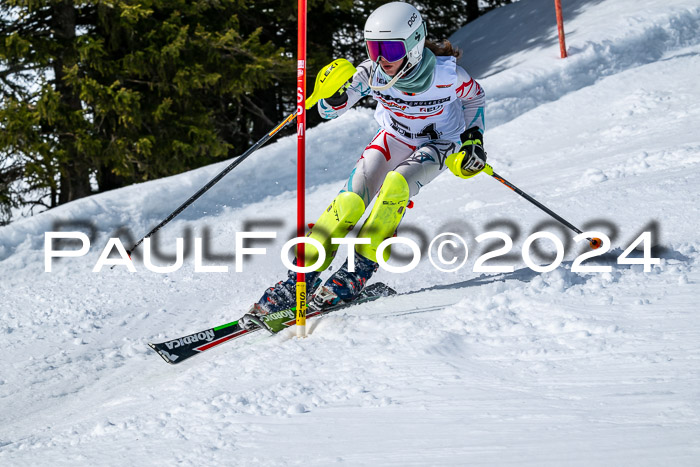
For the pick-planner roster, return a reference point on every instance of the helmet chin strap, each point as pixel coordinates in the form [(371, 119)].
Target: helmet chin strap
[(397, 76)]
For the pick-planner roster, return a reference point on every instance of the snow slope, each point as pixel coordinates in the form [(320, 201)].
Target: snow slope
[(558, 368)]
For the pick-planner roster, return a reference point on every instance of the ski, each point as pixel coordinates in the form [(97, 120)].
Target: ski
[(178, 350)]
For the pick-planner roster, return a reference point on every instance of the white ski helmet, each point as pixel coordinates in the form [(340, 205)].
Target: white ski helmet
[(394, 31)]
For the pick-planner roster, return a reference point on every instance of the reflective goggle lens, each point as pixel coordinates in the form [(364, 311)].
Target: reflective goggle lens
[(392, 51)]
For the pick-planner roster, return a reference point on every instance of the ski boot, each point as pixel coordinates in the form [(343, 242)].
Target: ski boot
[(337, 220), (281, 296), (345, 286)]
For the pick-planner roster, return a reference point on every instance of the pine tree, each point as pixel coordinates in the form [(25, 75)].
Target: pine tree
[(97, 95)]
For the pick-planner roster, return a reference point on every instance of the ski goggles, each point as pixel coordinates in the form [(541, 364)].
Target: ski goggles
[(392, 51)]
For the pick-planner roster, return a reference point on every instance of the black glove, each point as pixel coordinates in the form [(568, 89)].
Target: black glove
[(337, 99), (470, 158), (473, 146), (340, 97)]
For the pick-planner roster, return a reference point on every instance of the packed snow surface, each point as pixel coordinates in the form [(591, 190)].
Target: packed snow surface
[(464, 368)]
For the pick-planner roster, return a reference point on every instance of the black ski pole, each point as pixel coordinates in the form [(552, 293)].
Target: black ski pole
[(215, 180), (594, 242)]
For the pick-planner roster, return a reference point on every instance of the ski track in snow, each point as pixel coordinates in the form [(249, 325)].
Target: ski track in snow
[(559, 368)]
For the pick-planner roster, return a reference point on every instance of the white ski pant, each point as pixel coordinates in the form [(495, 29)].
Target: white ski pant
[(418, 164)]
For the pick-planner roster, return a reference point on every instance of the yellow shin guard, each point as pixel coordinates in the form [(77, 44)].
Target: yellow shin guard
[(386, 215), (335, 222)]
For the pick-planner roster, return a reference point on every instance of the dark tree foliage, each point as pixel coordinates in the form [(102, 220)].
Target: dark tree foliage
[(97, 95)]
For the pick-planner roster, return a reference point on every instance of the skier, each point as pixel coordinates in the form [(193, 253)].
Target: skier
[(431, 116)]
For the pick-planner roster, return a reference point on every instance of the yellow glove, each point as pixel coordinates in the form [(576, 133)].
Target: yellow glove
[(471, 158)]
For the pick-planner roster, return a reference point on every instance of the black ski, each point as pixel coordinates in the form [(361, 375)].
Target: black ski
[(180, 349)]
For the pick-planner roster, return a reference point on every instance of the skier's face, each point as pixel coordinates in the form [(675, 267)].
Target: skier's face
[(391, 68)]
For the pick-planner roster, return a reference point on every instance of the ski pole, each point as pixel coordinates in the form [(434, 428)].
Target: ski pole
[(329, 80), (594, 242)]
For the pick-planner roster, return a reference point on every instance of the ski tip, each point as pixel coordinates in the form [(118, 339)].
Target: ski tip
[(162, 355)]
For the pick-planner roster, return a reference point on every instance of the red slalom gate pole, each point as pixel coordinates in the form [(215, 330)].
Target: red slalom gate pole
[(560, 28), (301, 166)]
